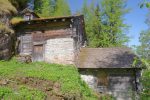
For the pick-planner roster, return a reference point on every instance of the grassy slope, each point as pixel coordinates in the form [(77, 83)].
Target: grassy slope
[(67, 76)]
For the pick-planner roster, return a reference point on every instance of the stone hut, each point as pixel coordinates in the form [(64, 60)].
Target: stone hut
[(111, 71), (54, 40)]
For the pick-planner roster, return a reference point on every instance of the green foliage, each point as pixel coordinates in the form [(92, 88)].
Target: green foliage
[(62, 8), (104, 23), (44, 8), (94, 26), (16, 20), (145, 95), (4, 91), (143, 50), (48, 8), (6, 8), (145, 3), (5, 29), (67, 76), (23, 93)]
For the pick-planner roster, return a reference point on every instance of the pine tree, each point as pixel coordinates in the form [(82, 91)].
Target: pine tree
[(143, 49), (6, 11), (104, 23), (62, 8), (47, 8), (113, 12), (98, 37), (44, 8), (94, 26)]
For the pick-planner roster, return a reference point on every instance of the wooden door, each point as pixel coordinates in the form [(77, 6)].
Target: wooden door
[(38, 52)]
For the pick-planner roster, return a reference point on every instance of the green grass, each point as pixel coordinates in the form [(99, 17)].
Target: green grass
[(16, 20), (22, 94), (67, 76)]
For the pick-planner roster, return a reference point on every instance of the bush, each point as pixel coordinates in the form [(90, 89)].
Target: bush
[(145, 95)]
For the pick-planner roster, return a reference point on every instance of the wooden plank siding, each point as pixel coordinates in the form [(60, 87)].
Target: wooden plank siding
[(26, 44)]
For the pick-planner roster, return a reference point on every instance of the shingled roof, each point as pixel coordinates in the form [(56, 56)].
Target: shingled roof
[(116, 57)]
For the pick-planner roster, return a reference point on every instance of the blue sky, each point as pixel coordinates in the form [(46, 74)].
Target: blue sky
[(135, 18)]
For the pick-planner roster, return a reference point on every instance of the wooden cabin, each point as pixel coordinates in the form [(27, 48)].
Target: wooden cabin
[(54, 40)]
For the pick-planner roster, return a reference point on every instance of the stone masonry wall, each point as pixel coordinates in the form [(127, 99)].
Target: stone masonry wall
[(119, 83), (59, 50)]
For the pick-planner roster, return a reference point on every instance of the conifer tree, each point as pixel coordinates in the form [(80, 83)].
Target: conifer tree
[(62, 8), (113, 12), (44, 8), (104, 23), (6, 11), (143, 49), (94, 26), (47, 8)]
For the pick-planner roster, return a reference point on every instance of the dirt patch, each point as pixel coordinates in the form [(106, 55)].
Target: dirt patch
[(50, 88)]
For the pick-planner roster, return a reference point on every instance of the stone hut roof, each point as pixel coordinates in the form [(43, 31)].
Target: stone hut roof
[(117, 57)]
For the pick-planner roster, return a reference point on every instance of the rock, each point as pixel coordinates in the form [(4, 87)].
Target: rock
[(24, 58), (4, 82)]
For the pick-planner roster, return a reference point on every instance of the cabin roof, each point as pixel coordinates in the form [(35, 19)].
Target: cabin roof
[(59, 17), (54, 18), (117, 57), (49, 19)]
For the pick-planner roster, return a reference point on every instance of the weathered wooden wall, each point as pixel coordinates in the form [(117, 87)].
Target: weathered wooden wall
[(25, 44), (54, 41), (118, 82)]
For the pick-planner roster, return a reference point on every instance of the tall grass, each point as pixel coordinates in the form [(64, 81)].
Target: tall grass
[(67, 76), (6, 8)]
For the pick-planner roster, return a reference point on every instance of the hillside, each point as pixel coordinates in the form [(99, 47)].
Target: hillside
[(41, 81)]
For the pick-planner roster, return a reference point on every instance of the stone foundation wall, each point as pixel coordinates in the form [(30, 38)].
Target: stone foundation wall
[(120, 83), (59, 50)]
